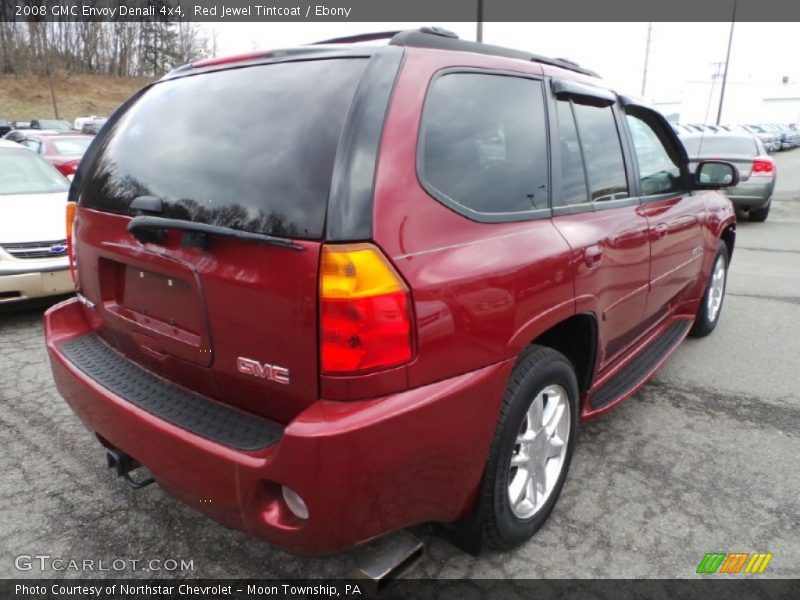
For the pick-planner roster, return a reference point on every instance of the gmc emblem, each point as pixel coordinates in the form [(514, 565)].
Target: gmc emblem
[(248, 366)]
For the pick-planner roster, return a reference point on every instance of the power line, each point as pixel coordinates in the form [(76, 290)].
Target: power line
[(727, 60), (646, 56)]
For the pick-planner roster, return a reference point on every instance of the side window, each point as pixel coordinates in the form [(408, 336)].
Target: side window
[(484, 143), (573, 179), (602, 152), (658, 173), (33, 145)]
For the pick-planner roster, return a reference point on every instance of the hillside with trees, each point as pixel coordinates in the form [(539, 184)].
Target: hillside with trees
[(70, 69)]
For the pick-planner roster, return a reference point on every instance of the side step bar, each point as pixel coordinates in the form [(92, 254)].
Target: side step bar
[(640, 367)]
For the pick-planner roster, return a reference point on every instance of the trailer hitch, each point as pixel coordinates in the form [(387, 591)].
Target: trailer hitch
[(122, 464)]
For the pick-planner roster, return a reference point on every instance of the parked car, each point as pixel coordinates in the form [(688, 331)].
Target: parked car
[(80, 121), (51, 124), (64, 151), (757, 173), (789, 137), (93, 127), (20, 135), (89, 125), (21, 124), (33, 247), (5, 127), (770, 139), (680, 128), (246, 324)]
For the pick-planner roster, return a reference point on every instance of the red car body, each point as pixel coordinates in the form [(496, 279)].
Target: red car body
[(376, 451), (62, 150)]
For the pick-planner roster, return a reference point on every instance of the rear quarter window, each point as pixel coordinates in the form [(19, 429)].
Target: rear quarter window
[(483, 147), (248, 148)]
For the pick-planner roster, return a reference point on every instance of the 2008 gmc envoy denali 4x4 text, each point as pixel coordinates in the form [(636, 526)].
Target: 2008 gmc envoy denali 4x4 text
[(331, 292)]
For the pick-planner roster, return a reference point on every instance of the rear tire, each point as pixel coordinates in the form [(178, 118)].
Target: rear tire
[(711, 306), (760, 214), (532, 448)]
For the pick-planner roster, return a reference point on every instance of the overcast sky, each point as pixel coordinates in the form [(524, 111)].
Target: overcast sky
[(679, 52)]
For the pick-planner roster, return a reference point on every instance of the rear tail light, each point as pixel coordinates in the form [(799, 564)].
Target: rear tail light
[(365, 311), (72, 208), (68, 169), (763, 167)]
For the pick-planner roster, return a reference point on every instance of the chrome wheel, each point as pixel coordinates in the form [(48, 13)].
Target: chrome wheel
[(539, 451), (716, 289)]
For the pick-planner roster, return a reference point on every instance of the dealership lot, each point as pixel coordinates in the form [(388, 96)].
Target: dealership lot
[(703, 459)]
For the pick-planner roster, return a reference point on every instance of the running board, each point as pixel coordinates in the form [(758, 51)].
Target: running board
[(636, 371)]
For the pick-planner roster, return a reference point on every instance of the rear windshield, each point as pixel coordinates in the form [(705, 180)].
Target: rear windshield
[(23, 172), (72, 146), (713, 145), (248, 148)]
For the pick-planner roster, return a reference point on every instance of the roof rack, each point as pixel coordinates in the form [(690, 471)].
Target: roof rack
[(354, 39), (424, 37), (435, 37)]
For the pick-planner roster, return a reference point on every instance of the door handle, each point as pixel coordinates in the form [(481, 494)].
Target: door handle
[(592, 256), (659, 231)]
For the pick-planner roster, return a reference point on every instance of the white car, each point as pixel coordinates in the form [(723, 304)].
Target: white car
[(33, 249)]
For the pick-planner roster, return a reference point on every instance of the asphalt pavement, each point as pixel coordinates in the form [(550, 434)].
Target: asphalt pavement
[(705, 458)]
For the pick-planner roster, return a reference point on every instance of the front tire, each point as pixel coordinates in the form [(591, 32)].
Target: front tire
[(711, 306), (532, 447)]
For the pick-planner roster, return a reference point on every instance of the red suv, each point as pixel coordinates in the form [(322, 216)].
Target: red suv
[(331, 292)]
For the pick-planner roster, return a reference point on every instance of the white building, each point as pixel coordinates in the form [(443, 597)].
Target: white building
[(745, 102)]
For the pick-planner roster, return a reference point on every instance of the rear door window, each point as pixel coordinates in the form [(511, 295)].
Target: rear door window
[(484, 144), (602, 151), (247, 148), (573, 177)]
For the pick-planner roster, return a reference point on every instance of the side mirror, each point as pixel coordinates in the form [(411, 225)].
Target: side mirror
[(715, 174)]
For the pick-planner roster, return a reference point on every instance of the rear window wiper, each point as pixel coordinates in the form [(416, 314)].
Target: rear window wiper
[(198, 235)]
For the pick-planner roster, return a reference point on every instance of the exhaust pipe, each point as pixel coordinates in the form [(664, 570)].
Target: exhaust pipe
[(387, 558)]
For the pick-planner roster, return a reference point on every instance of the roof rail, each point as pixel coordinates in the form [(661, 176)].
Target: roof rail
[(435, 37)]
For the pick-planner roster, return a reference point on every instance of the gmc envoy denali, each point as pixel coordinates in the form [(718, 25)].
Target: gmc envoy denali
[(391, 296)]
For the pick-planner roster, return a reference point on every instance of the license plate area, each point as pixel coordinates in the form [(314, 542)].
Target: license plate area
[(162, 304)]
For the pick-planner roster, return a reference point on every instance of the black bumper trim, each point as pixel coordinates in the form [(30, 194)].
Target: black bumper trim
[(187, 410)]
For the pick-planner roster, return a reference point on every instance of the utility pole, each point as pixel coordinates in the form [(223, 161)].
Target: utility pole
[(646, 56), (727, 60), (479, 33), (52, 87)]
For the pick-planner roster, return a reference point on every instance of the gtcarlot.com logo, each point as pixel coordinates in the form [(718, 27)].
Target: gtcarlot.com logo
[(736, 562), (45, 562)]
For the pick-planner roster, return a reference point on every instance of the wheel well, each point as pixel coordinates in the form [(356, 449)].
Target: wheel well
[(575, 338), (729, 237)]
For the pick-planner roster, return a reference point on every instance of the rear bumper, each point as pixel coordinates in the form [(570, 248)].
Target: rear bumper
[(363, 468), (752, 194)]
